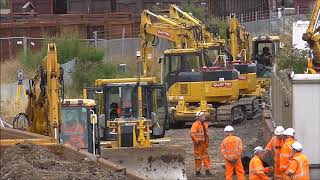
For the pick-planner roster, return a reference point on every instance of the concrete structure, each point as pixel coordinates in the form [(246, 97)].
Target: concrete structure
[(298, 29), (306, 113)]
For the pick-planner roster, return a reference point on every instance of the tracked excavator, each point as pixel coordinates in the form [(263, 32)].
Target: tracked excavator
[(312, 37), (240, 54), (191, 80), (239, 45)]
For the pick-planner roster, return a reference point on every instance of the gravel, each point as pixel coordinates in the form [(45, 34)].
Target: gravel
[(249, 131)]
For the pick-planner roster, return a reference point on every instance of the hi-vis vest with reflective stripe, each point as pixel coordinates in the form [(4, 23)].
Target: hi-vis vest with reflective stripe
[(197, 132), (256, 169), (276, 145), (302, 171), (231, 147), (285, 154)]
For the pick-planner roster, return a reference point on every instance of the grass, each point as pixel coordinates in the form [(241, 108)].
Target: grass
[(9, 70)]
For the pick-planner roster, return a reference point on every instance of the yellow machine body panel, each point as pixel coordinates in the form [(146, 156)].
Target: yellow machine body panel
[(248, 83), (211, 91)]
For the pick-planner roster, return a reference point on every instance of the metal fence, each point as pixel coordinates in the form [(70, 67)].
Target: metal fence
[(281, 99), (263, 22)]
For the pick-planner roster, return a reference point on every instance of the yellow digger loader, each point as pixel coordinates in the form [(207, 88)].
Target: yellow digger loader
[(133, 113), (74, 122)]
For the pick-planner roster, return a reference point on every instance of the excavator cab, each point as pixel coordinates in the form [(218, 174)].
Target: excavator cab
[(118, 99), (265, 49), (77, 126), (120, 133), (189, 70)]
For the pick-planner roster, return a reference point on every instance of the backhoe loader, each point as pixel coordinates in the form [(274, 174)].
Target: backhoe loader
[(47, 113), (134, 111), (312, 36), (74, 121), (193, 80)]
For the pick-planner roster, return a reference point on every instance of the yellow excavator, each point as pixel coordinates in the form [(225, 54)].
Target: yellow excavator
[(209, 34), (312, 37), (74, 122), (240, 54), (191, 80), (48, 113), (239, 45)]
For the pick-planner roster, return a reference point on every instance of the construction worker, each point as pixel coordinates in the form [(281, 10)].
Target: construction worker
[(200, 137), (231, 150), (286, 152), (256, 169), (274, 146), (299, 164)]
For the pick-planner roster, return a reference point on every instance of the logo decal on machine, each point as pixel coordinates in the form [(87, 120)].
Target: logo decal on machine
[(222, 84), (163, 33), (243, 77)]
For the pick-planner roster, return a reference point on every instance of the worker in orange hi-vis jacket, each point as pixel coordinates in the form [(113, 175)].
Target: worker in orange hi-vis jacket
[(200, 137), (299, 164), (256, 169), (274, 146), (286, 152), (231, 150)]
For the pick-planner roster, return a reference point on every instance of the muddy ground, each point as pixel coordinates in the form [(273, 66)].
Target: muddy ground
[(249, 131), (26, 161)]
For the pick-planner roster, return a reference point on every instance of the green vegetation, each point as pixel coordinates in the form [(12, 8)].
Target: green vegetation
[(89, 64), (4, 4), (196, 10), (290, 57), (200, 11), (222, 24)]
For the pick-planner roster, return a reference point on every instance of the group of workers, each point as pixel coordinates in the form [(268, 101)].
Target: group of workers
[(289, 161)]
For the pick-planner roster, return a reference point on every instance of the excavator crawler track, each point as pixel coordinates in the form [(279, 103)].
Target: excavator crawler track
[(251, 104), (230, 114)]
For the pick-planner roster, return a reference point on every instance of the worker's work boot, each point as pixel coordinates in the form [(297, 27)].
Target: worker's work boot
[(198, 173), (208, 173)]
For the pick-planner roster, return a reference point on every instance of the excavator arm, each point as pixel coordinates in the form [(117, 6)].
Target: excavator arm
[(44, 96), (165, 28), (189, 20), (312, 36), (239, 39)]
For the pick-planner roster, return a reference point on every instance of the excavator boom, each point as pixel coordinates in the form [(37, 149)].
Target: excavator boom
[(312, 36)]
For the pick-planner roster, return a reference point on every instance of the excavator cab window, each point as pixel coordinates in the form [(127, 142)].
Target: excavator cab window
[(186, 62), (211, 54), (75, 123)]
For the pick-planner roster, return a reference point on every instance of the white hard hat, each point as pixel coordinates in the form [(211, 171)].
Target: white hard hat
[(279, 130), (257, 149), (296, 146), (228, 129), (199, 113), (289, 132)]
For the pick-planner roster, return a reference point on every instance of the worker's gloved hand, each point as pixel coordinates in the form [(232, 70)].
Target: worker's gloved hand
[(233, 161), (271, 169)]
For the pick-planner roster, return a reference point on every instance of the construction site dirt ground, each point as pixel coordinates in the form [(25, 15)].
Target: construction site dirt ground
[(27, 161), (249, 131)]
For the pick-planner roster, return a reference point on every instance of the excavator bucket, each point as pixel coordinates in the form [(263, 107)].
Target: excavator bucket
[(162, 162)]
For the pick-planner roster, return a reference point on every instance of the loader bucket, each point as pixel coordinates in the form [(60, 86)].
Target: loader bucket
[(157, 162)]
